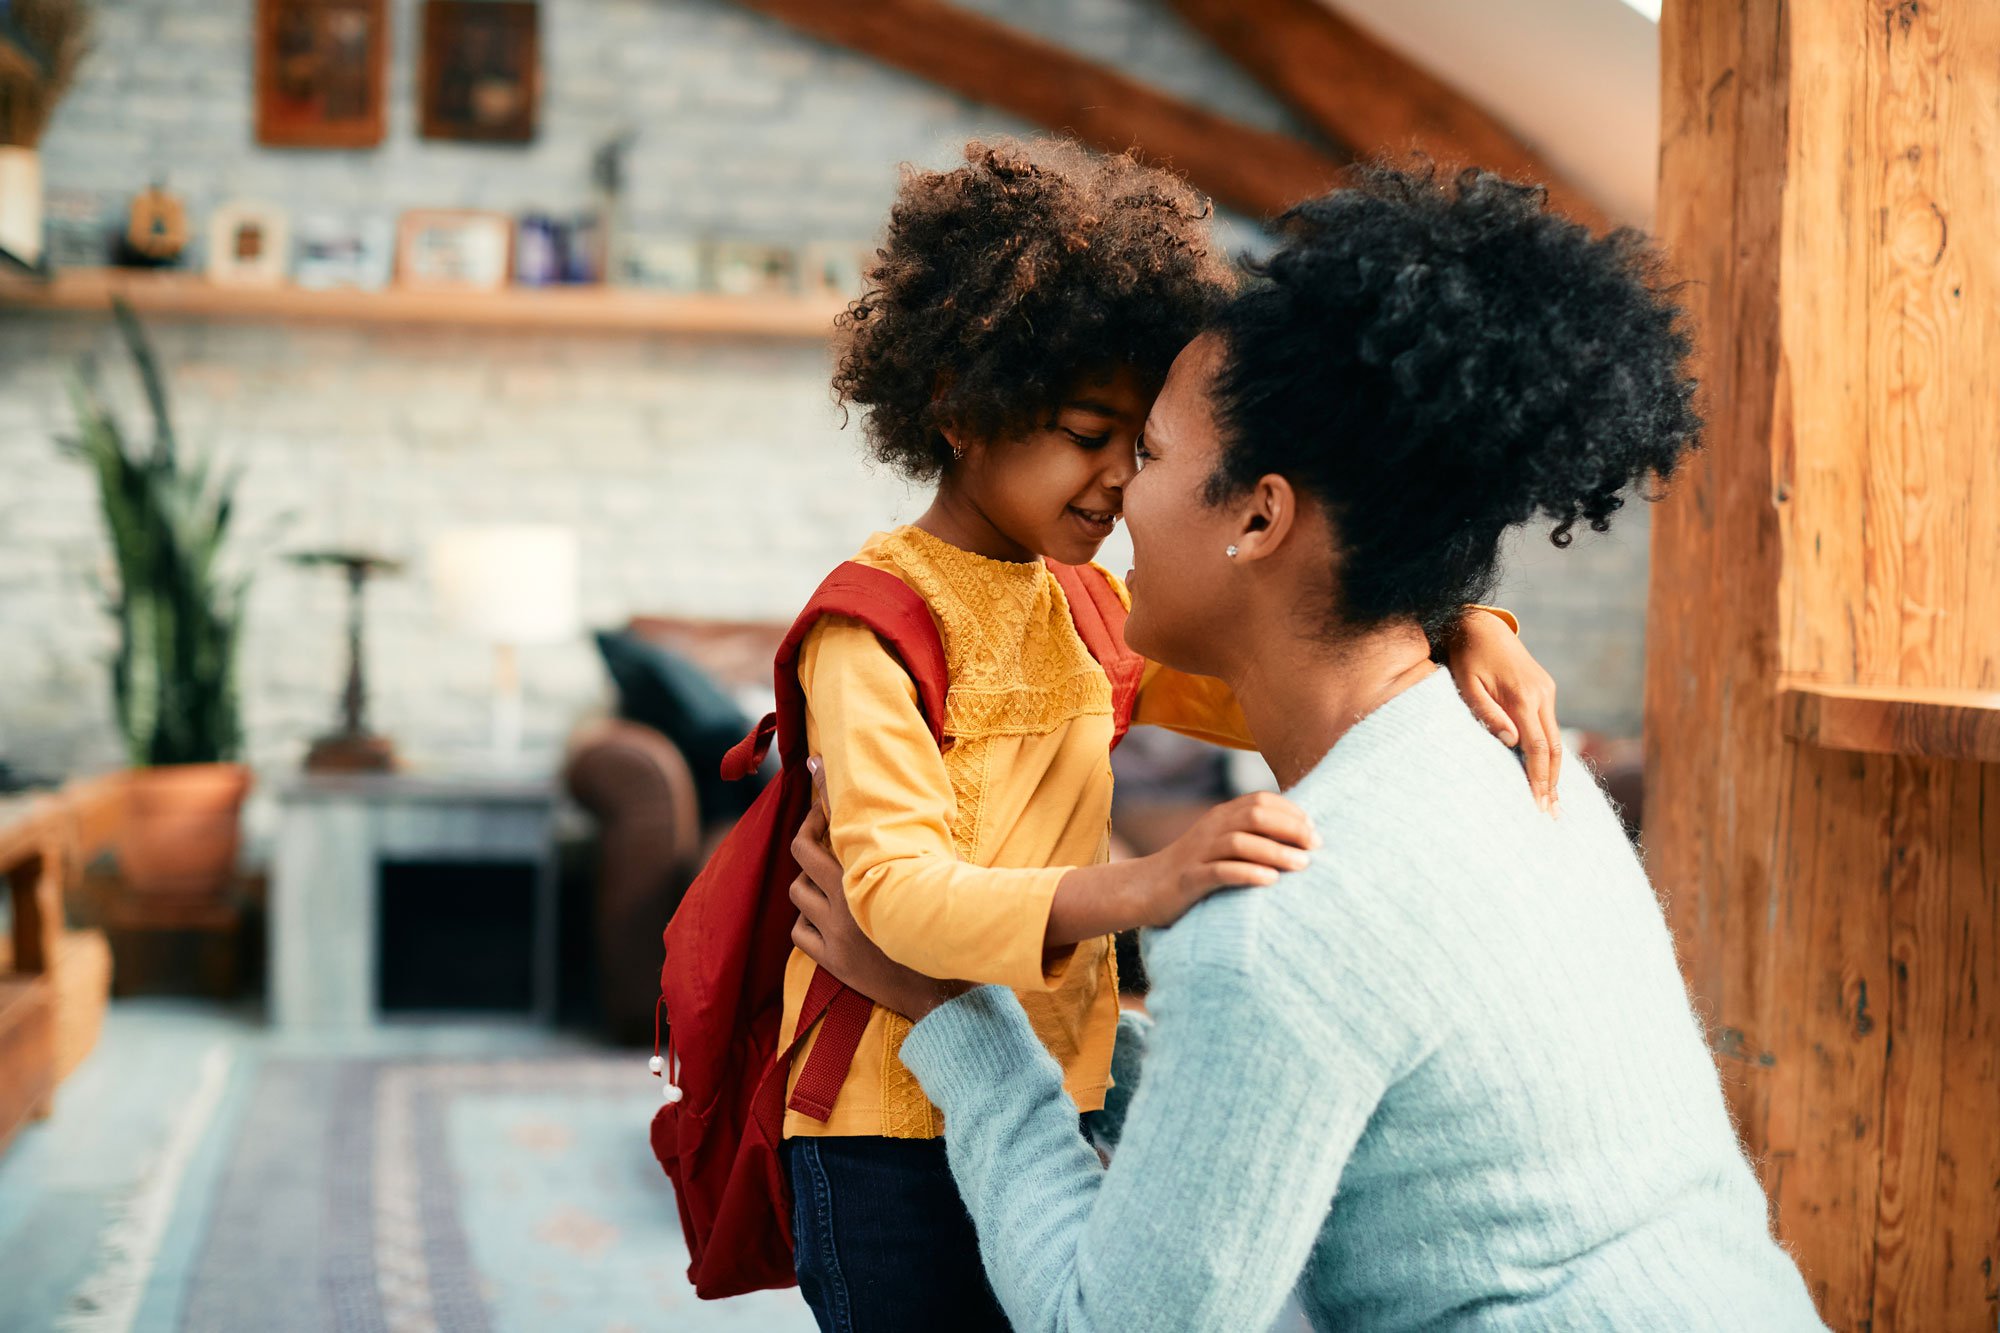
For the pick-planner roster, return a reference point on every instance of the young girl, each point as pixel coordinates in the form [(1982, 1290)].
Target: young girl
[(1020, 318)]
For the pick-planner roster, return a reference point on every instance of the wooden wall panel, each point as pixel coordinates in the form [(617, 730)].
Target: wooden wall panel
[(1830, 184)]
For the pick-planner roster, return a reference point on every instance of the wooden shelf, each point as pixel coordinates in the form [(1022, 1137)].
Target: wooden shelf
[(1940, 724), (558, 309)]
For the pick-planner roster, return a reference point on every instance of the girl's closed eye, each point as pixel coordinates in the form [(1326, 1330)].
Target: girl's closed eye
[(1087, 441)]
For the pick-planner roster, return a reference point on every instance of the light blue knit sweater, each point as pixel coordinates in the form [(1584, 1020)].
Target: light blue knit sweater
[(1447, 1077)]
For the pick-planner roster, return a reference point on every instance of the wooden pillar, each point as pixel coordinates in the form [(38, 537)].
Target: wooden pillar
[(1823, 659)]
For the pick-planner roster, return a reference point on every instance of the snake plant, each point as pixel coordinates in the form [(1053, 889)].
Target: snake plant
[(178, 609)]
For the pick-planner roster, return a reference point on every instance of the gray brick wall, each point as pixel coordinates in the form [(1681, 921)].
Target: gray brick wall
[(706, 477)]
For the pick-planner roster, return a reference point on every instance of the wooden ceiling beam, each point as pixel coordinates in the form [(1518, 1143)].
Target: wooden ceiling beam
[(1258, 171), (1360, 93)]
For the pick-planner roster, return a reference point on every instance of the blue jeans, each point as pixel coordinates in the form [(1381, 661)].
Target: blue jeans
[(883, 1243)]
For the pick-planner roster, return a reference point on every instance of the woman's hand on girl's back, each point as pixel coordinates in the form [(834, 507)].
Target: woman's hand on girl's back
[(827, 932)]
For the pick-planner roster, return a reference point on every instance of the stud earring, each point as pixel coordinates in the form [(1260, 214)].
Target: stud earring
[(1231, 552)]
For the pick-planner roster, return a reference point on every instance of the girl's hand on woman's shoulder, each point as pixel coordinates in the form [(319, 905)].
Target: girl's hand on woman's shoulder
[(1508, 690), (1244, 843)]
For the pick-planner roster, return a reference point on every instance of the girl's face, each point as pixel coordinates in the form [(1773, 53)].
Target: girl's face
[(1058, 491), (1182, 598)]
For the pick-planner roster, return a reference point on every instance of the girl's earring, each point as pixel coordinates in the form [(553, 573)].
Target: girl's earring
[(1231, 552)]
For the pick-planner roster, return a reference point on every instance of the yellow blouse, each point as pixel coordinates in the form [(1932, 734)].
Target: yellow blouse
[(951, 858)]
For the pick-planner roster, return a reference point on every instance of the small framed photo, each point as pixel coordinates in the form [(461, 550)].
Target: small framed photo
[(664, 264), (834, 269), (344, 252), (248, 245), (744, 268), (454, 250), (320, 72), (482, 72)]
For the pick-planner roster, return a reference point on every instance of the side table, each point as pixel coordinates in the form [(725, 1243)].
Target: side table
[(335, 833)]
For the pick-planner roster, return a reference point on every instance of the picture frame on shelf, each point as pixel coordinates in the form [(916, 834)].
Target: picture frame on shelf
[(480, 79), (834, 270), (334, 251), (249, 244), (321, 73), (753, 268), (450, 249), (671, 264), (80, 228)]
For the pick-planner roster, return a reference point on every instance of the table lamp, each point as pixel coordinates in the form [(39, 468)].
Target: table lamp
[(512, 585)]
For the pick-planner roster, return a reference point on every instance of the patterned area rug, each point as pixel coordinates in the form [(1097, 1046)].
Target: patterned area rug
[(406, 1197)]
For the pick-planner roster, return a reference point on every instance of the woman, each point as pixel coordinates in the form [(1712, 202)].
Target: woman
[(1448, 1076)]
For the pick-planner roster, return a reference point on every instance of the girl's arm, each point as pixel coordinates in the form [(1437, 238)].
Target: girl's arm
[(1501, 682), (889, 801)]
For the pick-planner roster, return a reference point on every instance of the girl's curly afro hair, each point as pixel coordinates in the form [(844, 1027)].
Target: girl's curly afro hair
[(1004, 282), (1438, 359)]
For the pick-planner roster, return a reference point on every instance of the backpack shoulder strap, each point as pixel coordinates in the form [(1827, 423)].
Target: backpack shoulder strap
[(902, 620), (1099, 611), (898, 616)]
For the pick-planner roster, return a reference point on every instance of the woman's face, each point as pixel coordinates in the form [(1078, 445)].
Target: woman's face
[(1058, 491), (1182, 598)]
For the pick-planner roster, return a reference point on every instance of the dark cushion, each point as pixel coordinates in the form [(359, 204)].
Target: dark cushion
[(663, 690)]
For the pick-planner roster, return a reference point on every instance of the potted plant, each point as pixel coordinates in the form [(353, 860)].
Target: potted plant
[(178, 611), (41, 43)]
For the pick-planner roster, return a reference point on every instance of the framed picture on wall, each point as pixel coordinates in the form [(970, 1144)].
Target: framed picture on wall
[(455, 250), (248, 245), (482, 70), (320, 73)]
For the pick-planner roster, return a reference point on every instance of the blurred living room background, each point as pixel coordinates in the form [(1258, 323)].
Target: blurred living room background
[(363, 685)]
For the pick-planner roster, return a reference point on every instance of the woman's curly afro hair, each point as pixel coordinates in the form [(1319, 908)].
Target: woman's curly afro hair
[(1438, 359), (1006, 281)]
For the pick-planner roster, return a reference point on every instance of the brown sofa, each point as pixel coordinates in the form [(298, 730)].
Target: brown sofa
[(652, 835)]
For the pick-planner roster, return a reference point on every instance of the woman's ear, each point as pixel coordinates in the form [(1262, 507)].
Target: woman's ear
[(1266, 516)]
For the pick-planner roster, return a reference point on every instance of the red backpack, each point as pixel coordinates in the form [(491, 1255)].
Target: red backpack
[(722, 985)]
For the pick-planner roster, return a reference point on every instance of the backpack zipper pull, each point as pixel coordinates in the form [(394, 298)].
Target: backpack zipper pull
[(670, 1093)]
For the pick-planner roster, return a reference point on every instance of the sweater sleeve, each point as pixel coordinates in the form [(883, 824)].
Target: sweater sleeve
[(889, 804), (1198, 706), (1209, 1208)]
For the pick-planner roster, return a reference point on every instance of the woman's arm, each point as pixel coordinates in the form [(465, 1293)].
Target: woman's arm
[(1230, 1154)]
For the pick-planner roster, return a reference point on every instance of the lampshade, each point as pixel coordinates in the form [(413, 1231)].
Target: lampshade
[(512, 584)]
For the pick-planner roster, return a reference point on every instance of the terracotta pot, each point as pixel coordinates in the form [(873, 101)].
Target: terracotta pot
[(182, 828)]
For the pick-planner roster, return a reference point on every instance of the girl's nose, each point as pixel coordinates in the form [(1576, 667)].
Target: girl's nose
[(1121, 468)]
